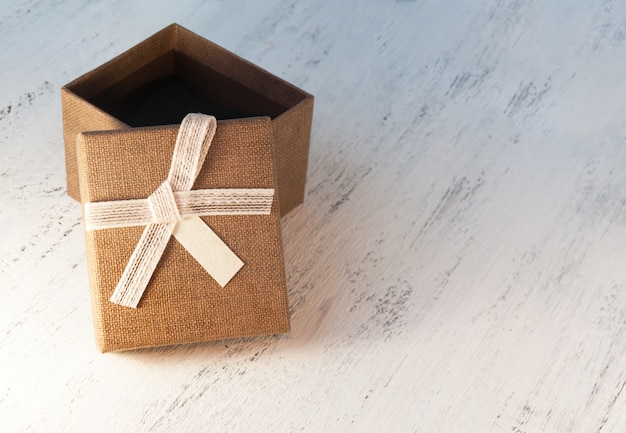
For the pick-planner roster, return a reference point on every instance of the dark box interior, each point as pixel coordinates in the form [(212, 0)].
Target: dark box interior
[(173, 85)]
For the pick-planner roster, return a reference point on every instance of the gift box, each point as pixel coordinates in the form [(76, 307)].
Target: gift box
[(182, 303), (175, 72)]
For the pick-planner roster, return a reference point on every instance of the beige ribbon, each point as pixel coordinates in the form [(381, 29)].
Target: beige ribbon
[(174, 209)]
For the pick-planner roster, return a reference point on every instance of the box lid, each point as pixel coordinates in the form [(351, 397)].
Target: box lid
[(182, 303)]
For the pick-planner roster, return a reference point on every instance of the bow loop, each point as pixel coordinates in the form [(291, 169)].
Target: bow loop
[(192, 145)]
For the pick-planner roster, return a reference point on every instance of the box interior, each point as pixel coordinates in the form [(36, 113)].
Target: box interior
[(164, 90)]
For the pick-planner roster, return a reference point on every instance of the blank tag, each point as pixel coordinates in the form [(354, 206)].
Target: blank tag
[(208, 249)]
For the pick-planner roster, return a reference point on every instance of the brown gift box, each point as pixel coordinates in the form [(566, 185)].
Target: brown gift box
[(175, 72), (182, 303)]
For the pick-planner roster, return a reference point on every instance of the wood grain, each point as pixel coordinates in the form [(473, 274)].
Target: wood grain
[(458, 264)]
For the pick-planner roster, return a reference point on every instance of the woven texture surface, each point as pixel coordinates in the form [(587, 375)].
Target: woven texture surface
[(96, 100), (182, 302)]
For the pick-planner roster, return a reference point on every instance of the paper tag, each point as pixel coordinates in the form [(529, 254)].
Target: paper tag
[(208, 249)]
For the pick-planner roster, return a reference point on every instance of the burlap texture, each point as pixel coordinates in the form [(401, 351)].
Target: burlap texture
[(182, 303), (224, 84)]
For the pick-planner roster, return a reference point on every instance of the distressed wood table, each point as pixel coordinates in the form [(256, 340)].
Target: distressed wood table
[(459, 264)]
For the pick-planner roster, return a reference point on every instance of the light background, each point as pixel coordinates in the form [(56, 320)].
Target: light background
[(458, 264)]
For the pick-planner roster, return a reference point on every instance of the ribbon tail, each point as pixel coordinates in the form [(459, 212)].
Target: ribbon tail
[(142, 264)]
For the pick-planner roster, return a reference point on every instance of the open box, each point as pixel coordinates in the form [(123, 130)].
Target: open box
[(175, 72)]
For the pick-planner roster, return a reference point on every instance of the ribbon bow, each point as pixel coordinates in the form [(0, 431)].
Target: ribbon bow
[(174, 209)]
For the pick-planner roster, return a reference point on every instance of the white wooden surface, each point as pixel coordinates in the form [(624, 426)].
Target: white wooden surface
[(459, 262)]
